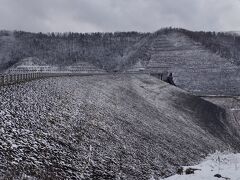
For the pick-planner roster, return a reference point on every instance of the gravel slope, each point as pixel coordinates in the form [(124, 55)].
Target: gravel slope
[(105, 127), (231, 105)]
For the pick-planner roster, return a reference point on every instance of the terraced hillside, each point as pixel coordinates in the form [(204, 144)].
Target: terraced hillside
[(195, 68), (111, 127)]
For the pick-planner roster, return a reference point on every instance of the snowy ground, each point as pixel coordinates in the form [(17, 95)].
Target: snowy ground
[(227, 165)]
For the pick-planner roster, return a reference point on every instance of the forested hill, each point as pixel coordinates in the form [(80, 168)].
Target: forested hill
[(106, 50)]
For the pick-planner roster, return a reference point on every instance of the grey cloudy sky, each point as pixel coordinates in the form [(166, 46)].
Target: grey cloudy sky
[(118, 15)]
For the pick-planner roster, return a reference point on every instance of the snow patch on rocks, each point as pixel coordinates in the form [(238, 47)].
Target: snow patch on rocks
[(225, 164)]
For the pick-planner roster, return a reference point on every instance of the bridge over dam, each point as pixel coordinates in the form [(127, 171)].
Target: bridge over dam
[(129, 126)]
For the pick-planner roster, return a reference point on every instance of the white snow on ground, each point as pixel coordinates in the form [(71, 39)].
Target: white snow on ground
[(225, 164)]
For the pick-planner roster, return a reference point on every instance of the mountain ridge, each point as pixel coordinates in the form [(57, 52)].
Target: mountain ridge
[(195, 58)]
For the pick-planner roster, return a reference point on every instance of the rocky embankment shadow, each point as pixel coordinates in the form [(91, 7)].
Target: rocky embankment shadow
[(106, 127)]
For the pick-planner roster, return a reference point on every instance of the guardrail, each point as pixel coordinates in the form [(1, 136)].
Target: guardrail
[(8, 79)]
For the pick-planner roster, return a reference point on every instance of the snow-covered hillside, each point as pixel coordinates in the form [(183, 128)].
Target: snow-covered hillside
[(106, 127), (225, 164)]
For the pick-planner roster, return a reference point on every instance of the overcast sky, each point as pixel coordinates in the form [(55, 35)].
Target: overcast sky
[(118, 15)]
